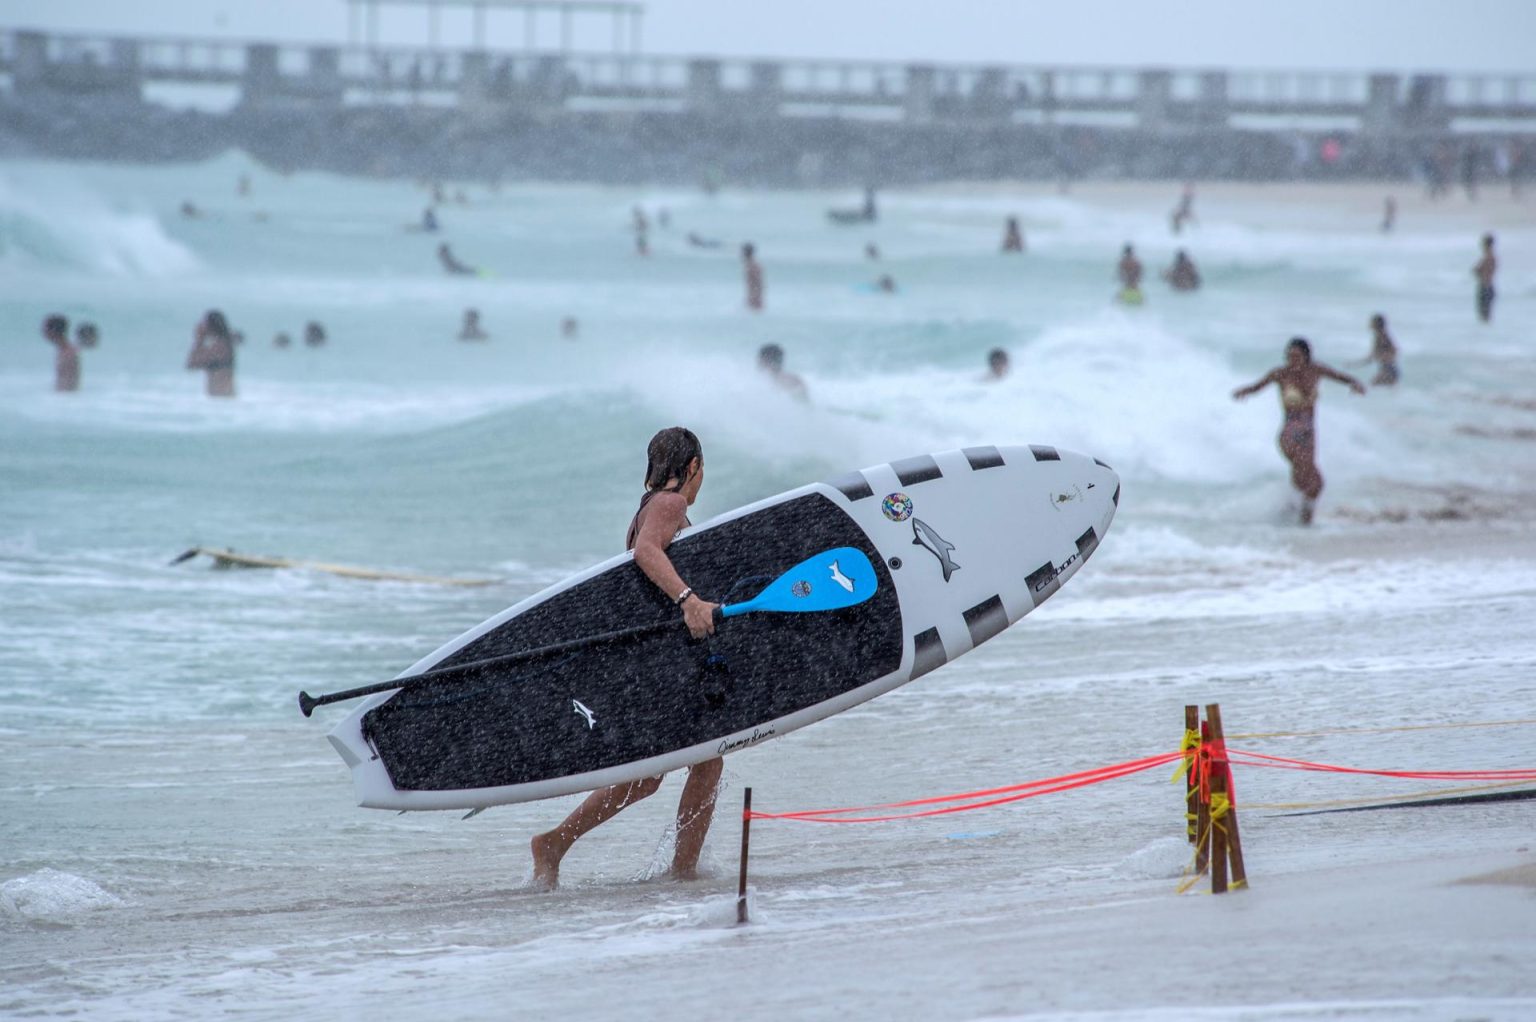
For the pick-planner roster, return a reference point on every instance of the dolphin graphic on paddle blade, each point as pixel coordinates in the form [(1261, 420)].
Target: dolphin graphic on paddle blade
[(924, 536)]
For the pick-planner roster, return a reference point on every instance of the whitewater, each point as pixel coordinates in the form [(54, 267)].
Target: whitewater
[(177, 842)]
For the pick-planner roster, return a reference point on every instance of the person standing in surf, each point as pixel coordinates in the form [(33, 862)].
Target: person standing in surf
[(752, 271), (1484, 271), (674, 473), (66, 360), (1297, 380), (213, 350)]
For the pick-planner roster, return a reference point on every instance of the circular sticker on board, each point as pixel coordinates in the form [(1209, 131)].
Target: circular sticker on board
[(801, 588), (897, 507)]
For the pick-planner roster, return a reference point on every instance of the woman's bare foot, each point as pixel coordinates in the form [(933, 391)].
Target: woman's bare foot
[(546, 862)]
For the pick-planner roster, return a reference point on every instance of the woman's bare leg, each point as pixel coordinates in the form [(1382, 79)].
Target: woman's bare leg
[(604, 804), (695, 810)]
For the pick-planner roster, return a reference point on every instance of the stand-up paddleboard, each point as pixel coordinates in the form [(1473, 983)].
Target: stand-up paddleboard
[(959, 544), (230, 559)]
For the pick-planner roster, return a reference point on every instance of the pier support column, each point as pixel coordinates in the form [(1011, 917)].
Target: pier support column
[(1213, 111), (259, 84), (1380, 114), (767, 89), (1154, 91), (703, 85), (919, 97)]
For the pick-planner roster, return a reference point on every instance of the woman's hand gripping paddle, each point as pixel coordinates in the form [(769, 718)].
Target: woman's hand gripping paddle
[(831, 580)]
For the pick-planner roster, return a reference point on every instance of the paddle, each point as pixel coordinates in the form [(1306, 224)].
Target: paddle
[(831, 580)]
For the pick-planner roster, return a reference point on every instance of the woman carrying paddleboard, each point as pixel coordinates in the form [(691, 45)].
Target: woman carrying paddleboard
[(674, 473)]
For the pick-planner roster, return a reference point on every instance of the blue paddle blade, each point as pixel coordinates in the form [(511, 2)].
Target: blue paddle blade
[(831, 580)]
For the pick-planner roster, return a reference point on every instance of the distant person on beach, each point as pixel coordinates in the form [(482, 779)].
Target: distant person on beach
[(451, 263), (770, 359), (243, 186), (1388, 215), (314, 335), (213, 351), (569, 328), (429, 219), (1485, 270), (1129, 271), (471, 330), (1182, 275), (66, 359), (752, 271), (1184, 212), (1298, 380), (872, 252), (87, 336), (674, 473), (886, 284), (1383, 353), (1013, 235), (997, 365)]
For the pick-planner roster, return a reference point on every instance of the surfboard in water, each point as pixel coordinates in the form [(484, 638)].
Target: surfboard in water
[(962, 544)]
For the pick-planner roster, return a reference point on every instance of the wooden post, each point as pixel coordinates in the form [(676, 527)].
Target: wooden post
[(1203, 808), (1191, 789), (746, 832), (1230, 842)]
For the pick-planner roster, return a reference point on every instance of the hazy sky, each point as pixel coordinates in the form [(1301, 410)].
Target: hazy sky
[(1462, 35)]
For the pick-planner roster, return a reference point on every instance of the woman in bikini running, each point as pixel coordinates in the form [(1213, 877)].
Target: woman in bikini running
[(1297, 380)]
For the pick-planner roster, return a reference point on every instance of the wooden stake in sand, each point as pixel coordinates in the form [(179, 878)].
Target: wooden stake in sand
[(746, 833)]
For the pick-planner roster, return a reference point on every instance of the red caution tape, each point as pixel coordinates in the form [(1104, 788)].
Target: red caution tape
[(987, 798), (1259, 759)]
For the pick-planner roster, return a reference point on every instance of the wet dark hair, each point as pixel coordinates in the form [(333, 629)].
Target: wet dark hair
[(668, 456), (1487, 240), (770, 356), (1379, 320), (218, 325), (1301, 345), (748, 250), (996, 357), (56, 325)]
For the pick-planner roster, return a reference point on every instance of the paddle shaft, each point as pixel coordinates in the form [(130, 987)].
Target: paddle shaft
[(307, 702)]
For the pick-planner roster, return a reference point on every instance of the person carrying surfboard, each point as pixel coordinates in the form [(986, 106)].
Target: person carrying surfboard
[(674, 473), (1298, 380)]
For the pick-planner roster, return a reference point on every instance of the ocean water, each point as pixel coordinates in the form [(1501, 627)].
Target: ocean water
[(177, 842)]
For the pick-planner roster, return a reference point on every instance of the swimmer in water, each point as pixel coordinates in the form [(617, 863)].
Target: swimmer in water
[(770, 359), (451, 264), (1383, 353), (1298, 380), (886, 284), (997, 365), (569, 328), (471, 330), (872, 252), (429, 219), (281, 339), (1182, 275), (314, 334)]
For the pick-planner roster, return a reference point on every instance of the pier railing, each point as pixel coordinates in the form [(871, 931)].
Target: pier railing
[(266, 73)]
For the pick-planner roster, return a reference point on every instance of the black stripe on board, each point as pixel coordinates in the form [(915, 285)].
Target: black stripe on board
[(1116, 497), (1043, 581), (986, 619), (1044, 453), (853, 485), (928, 652), (916, 470), (1101, 464), (1087, 543), (983, 457)]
